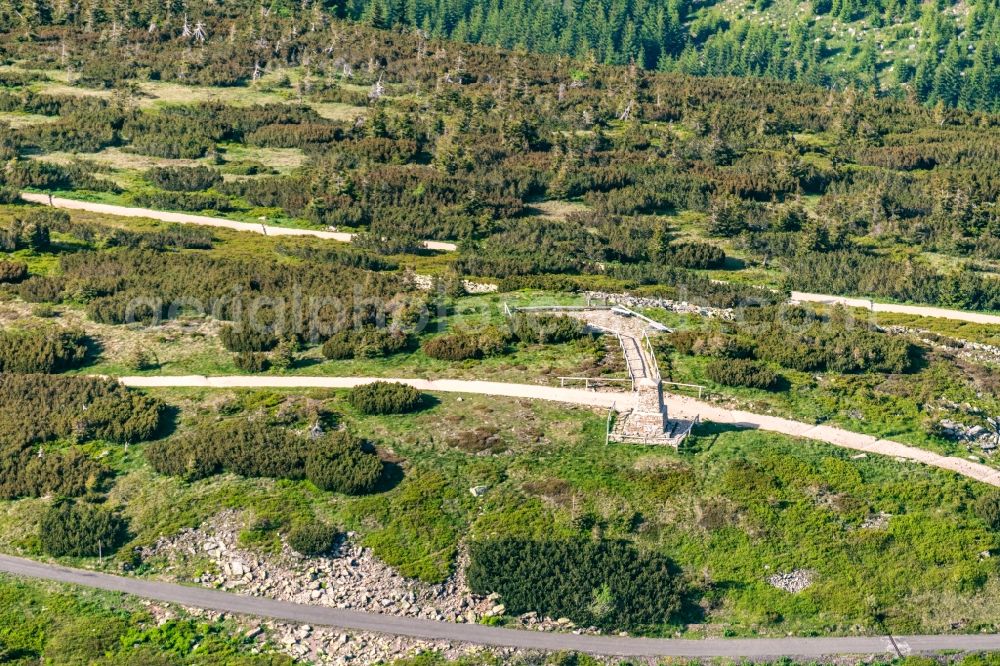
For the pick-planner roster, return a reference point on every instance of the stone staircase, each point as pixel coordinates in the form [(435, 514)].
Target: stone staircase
[(647, 422)]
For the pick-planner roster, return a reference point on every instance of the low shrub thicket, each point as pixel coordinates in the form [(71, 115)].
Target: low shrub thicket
[(385, 398), (12, 271), (192, 201), (338, 256), (184, 179), (251, 362), (80, 529), (602, 583), (313, 539), (366, 342), (493, 341), (463, 345), (169, 236), (742, 372), (36, 408), (546, 328), (794, 338), (342, 465), (337, 462), (70, 473), (242, 339), (254, 292), (244, 447), (40, 289), (41, 350)]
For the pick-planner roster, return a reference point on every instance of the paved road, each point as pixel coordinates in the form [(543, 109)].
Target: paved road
[(186, 218), (678, 406), (759, 648)]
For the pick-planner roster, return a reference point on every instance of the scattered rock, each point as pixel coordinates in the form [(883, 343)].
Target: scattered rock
[(876, 521), (793, 581), (354, 578)]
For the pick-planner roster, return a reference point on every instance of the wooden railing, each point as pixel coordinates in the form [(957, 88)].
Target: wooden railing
[(628, 364), (607, 430), (648, 346)]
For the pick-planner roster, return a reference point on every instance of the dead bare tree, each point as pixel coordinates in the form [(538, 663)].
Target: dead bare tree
[(199, 32), (377, 90), (627, 113)]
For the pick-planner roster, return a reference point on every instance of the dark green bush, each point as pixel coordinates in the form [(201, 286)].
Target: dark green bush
[(41, 350), (692, 254), (40, 289), (473, 344), (184, 179), (453, 347), (80, 529), (492, 341), (988, 510), (608, 584), (342, 464), (339, 347), (546, 328), (385, 398), (241, 339), (70, 473), (12, 271), (313, 539), (242, 446), (742, 372), (192, 201), (337, 461), (251, 361), (365, 342), (36, 408), (373, 342)]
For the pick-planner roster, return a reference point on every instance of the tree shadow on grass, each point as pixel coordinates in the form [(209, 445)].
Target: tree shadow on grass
[(169, 417), (427, 401), (92, 351), (308, 362), (692, 609), (781, 384), (392, 476)]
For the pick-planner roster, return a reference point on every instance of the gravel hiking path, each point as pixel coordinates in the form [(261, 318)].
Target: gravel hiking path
[(679, 406), (187, 218)]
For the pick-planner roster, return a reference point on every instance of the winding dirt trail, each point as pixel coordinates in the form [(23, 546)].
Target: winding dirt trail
[(679, 406), (187, 218)]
